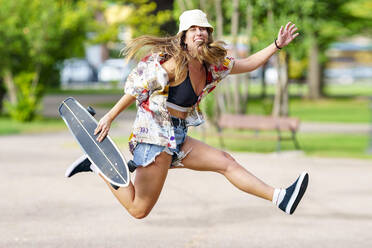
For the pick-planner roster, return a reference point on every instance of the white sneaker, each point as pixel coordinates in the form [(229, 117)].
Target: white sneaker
[(82, 164), (294, 194)]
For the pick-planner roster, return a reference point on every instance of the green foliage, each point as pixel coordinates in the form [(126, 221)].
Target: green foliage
[(37, 35), (28, 98), (143, 19), (40, 33), (208, 106)]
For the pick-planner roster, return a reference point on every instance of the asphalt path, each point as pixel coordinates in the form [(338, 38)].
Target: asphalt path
[(41, 208)]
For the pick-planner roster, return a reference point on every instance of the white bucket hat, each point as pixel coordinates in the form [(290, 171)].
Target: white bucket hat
[(194, 17)]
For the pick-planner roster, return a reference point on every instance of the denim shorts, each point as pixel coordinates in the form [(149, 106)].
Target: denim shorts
[(144, 153)]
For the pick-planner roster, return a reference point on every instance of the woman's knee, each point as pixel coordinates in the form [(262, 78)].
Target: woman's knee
[(228, 156), (139, 213), (229, 163)]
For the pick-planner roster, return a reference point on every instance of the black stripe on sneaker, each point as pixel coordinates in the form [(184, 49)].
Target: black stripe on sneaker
[(301, 193), (294, 194), (288, 194)]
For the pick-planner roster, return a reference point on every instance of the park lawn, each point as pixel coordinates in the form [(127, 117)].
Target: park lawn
[(345, 103), (8, 126), (356, 89), (345, 110), (41, 125), (312, 144), (341, 110), (330, 90)]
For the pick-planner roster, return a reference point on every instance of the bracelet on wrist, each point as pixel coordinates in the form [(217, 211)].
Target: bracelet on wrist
[(277, 44)]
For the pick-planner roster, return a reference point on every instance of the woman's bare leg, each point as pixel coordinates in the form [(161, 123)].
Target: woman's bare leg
[(139, 198), (206, 158)]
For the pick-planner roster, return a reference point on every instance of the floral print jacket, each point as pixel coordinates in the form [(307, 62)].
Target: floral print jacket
[(149, 83)]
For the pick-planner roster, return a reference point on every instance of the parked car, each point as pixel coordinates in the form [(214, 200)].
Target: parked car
[(76, 70), (114, 70)]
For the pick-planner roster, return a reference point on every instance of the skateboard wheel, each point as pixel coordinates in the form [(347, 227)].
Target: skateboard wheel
[(131, 166), (91, 111)]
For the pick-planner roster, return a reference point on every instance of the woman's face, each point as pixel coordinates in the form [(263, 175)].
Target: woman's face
[(195, 36)]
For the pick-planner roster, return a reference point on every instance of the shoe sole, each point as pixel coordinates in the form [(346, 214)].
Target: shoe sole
[(298, 193), (74, 164)]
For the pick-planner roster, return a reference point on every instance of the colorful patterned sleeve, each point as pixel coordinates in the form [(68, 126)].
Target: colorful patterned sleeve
[(222, 70), (140, 81)]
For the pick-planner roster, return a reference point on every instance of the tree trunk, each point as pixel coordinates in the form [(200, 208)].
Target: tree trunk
[(189, 4), (2, 95), (35, 80), (313, 76), (100, 18), (280, 107), (263, 81), (234, 35), (221, 105), (181, 4), (203, 5), (10, 86), (284, 106), (278, 91), (246, 78), (249, 20), (219, 19)]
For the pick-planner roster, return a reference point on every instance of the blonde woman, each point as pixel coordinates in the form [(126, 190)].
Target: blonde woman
[(168, 86)]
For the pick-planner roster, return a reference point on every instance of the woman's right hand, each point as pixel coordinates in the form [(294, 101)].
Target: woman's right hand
[(103, 127)]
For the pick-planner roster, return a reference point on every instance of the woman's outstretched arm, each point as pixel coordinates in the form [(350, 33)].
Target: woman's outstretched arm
[(104, 124), (251, 63)]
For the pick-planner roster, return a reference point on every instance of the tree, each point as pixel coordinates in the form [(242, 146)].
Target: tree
[(36, 35), (325, 22), (320, 23), (144, 18), (40, 33)]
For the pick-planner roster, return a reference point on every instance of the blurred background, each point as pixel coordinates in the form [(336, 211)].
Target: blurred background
[(52, 49)]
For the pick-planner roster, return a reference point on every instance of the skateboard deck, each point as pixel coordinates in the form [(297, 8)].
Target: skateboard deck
[(105, 155)]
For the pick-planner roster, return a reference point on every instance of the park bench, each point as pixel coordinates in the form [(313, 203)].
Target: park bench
[(261, 123)]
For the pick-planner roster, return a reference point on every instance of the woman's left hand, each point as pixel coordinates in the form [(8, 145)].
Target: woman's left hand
[(286, 35), (103, 127)]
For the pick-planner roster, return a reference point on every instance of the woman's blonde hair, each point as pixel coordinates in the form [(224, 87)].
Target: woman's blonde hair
[(175, 47)]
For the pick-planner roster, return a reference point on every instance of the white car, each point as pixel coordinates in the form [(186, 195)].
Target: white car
[(114, 70), (76, 70)]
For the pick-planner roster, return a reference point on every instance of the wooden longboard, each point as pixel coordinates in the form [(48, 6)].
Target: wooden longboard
[(105, 155)]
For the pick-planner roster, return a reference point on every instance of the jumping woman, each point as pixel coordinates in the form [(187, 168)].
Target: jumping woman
[(168, 86)]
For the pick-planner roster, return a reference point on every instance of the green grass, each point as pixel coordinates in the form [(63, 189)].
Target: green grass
[(8, 126), (356, 89), (312, 144), (330, 90), (103, 91), (345, 110), (339, 108)]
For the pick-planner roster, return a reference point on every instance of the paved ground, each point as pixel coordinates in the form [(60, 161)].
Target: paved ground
[(51, 103), (41, 208)]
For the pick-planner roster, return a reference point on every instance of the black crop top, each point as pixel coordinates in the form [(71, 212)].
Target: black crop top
[(183, 94)]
